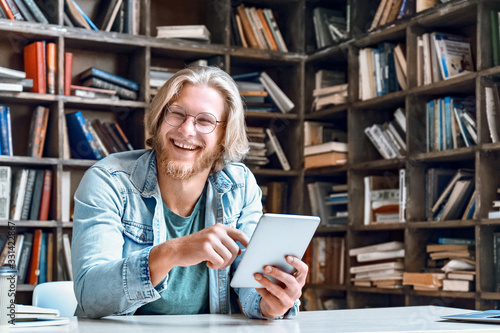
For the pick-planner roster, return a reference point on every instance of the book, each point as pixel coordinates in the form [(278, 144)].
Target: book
[(34, 10), (7, 86), (6, 9), (492, 103), (93, 93), (11, 73), (377, 266), (385, 246), (460, 174), (81, 141), (108, 12), (325, 159), (325, 19), (38, 131), (28, 195), (34, 263), (459, 196), (432, 281), (6, 131), (67, 256), (190, 32), (17, 195), (42, 277), (102, 84), (436, 180), (25, 257), (94, 72), (43, 214), (454, 54), (66, 196), (122, 136), (273, 24), (380, 255), (325, 148), (274, 146), (50, 256), (34, 210), (34, 66), (5, 191), (495, 37), (68, 71), (278, 96), (51, 67), (456, 285), (75, 15)]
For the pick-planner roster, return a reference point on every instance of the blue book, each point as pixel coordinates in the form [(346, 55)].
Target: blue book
[(252, 77), (43, 259), (431, 125), (112, 78), (81, 142), (6, 131), (92, 25), (447, 125)]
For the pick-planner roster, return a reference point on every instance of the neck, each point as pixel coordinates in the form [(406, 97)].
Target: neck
[(180, 195)]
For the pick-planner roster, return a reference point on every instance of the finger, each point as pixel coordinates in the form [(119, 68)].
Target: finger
[(300, 266), (238, 235), (286, 278), (274, 293)]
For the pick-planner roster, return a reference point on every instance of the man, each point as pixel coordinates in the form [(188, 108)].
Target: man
[(159, 231)]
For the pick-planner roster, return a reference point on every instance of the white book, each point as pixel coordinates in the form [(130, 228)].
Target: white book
[(379, 266), (65, 195), (67, 256), (16, 87), (5, 187), (274, 146), (387, 246), (12, 73), (19, 189), (282, 101), (492, 107), (325, 147), (380, 255)]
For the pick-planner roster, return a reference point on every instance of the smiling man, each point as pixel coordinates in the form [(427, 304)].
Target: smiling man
[(159, 231)]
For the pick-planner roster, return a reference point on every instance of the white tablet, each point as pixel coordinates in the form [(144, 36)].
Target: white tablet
[(276, 236)]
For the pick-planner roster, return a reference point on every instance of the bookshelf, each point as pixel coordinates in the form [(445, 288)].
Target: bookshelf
[(133, 56)]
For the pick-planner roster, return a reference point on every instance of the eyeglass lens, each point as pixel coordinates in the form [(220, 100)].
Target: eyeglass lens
[(203, 122)]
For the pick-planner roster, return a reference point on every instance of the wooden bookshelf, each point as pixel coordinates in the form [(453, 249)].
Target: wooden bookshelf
[(132, 56)]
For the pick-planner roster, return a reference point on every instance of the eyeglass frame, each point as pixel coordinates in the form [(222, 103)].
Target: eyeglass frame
[(166, 110)]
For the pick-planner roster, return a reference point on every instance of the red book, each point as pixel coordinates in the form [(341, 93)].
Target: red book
[(34, 267), (68, 71), (43, 215), (51, 68), (6, 9), (34, 66)]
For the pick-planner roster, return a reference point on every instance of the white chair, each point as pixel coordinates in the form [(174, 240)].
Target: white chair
[(57, 295)]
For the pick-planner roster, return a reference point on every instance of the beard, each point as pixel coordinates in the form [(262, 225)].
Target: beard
[(179, 170)]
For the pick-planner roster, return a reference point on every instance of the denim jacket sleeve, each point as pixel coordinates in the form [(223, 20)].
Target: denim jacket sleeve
[(251, 211), (105, 281)]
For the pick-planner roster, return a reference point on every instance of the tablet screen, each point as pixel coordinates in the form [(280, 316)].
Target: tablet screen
[(276, 236)]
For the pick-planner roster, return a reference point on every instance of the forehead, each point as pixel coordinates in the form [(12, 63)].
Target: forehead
[(197, 99)]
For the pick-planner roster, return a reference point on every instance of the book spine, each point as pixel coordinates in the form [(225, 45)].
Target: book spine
[(5, 187), (43, 214), (122, 92), (50, 256), (15, 11), (25, 257), (68, 71), (28, 195), (67, 256), (51, 68), (277, 29), (90, 139), (114, 136), (37, 195), (18, 191), (34, 267), (35, 10), (5, 131), (122, 136), (42, 277)]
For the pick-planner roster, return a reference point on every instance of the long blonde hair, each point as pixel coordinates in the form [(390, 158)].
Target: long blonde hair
[(235, 140)]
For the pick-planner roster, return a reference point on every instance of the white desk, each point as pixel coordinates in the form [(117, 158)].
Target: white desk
[(399, 319)]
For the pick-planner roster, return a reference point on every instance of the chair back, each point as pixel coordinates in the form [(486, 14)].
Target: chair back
[(57, 295)]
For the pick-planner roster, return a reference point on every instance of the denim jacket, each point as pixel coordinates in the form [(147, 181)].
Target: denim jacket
[(118, 218)]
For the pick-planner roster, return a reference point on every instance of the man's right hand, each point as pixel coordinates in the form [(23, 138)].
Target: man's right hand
[(216, 245)]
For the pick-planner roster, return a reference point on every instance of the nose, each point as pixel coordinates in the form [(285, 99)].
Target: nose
[(187, 126)]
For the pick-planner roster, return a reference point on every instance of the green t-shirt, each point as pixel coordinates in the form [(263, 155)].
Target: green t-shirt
[(187, 287)]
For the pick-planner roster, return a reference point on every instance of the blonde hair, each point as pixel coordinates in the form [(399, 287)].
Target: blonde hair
[(235, 142)]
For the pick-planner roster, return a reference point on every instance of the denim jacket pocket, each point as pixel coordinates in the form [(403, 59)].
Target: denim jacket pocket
[(231, 221), (137, 235)]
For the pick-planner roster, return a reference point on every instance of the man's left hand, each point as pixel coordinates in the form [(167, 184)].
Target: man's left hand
[(277, 299)]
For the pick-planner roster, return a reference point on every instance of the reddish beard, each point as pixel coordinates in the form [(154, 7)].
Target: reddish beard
[(180, 171)]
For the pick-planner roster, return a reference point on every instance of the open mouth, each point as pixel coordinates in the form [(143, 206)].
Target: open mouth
[(184, 145)]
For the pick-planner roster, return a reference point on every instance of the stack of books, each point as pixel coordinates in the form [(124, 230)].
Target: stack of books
[(389, 138), (14, 80), (324, 145), (442, 56), (330, 26), (98, 78), (380, 265), (22, 10), (425, 281), (256, 28), (257, 155), (329, 201)]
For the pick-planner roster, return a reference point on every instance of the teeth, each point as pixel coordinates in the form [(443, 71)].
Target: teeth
[(184, 145)]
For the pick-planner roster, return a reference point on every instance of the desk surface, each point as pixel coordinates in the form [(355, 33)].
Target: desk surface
[(398, 319)]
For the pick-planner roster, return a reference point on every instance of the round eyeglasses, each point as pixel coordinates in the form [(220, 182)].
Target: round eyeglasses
[(204, 123)]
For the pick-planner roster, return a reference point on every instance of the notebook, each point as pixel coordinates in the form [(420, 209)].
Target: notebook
[(487, 316)]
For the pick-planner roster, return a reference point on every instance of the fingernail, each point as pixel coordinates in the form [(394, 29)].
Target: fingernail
[(268, 269), (289, 259), (258, 277)]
